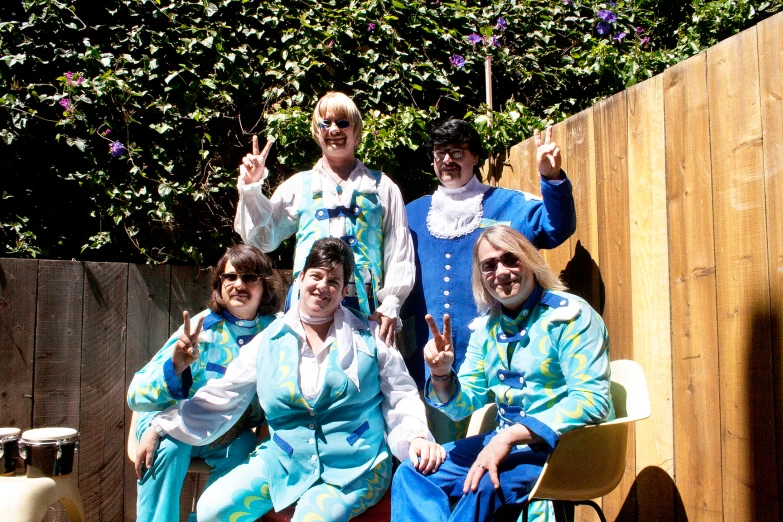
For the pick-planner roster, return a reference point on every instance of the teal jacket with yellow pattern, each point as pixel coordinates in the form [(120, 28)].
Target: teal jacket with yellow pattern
[(548, 368), (157, 386)]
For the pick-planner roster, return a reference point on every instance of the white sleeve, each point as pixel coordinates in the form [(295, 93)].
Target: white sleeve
[(265, 223), (398, 260), (216, 406), (403, 409)]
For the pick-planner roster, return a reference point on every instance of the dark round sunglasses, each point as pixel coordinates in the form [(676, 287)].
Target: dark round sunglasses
[(248, 279), (341, 124), (489, 265)]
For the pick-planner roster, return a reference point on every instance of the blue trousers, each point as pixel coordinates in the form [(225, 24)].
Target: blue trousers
[(159, 489), (417, 497)]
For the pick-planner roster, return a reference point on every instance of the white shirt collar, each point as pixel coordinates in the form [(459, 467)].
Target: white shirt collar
[(345, 332)]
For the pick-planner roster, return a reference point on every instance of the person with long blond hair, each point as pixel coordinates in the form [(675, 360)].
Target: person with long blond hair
[(544, 356), (339, 197)]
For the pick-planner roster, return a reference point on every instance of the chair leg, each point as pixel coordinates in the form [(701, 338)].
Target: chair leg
[(564, 510), (595, 506), (524, 511)]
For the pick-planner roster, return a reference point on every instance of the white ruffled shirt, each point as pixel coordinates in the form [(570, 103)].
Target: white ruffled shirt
[(456, 212), (195, 421), (265, 222)]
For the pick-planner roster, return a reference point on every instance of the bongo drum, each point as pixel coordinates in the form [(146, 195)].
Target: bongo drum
[(48, 452), (9, 450)]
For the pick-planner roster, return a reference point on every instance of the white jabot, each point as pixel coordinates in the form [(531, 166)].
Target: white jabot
[(456, 212)]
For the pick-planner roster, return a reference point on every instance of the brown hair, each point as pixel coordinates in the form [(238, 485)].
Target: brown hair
[(327, 253), (342, 107), (509, 240), (248, 259)]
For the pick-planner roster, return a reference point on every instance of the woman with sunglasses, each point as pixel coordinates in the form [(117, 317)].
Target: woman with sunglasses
[(339, 197), (544, 355), (246, 295)]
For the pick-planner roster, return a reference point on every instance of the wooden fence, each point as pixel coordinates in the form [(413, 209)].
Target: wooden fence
[(678, 183), (679, 192)]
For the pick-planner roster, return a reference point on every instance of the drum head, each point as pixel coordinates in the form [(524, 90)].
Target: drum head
[(50, 435), (9, 434)]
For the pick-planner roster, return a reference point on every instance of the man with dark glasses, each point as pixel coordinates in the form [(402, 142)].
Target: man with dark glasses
[(541, 354), (445, 226), (246, 295), (339, 197)]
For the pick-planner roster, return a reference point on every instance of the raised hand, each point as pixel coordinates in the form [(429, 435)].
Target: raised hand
[(438, 353), (253, 165), (547, 155), (186, 348)]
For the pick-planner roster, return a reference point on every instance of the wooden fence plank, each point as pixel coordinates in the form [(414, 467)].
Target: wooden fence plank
[(58, 344), (581, 274), (103, 390), (148, 330), (650, 294), (749, 474), (610, 120), (18, 288), (520, 172), (770, 45), (693, 300)]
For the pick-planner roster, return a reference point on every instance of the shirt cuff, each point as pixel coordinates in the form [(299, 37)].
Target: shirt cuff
[(178, 385), (542, 430), (253, 187), (555, 182), (390, 307)]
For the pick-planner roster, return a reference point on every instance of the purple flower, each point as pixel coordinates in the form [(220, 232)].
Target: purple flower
[(502, 25), (645, 40), (474, 39), (493, 41), (117, 149), (330, 44), (639, 29), (611, 3), (568, 2), (80, 80), (107, 132), (457, 61), (603, 28), (66, 103), (619, 36), (607, 16), (69, 76), (371, 27)]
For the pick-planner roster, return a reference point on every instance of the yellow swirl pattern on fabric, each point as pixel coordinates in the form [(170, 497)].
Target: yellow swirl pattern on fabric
[(545, 368), (236, 516)]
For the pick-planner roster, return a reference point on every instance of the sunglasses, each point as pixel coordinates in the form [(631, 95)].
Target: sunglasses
[(230, 278), (341, 124), (509, 260), (455, 154)]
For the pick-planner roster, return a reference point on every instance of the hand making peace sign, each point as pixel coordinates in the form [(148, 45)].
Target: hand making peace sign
[(253, 165), (438, 353), (186, 348), (547, 155)]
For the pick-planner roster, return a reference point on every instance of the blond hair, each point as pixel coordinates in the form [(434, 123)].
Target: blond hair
[(509, 240), (341, 106)]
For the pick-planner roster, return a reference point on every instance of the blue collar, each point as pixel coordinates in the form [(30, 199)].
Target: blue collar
[(236, 321)]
